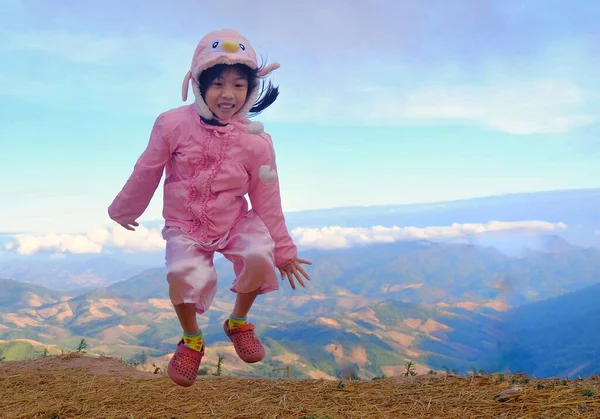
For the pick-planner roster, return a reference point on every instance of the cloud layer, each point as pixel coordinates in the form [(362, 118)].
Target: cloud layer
[(96, 241), (150, 240), (517, 107), (342, 237)]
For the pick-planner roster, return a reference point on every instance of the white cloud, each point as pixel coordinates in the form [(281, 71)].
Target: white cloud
[(341, 237), (111, 70), (526, 104), (142, 240), (518, 107), (96, 49), (81, 48), (96, 241), (28, 244), (150, 240)]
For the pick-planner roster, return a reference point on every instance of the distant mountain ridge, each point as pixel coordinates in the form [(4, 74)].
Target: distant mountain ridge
[(579, 209)]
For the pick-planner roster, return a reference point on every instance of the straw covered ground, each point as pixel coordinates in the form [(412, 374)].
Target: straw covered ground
[(75, 386)]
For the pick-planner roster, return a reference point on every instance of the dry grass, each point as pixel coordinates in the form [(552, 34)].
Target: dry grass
[(82, 387)]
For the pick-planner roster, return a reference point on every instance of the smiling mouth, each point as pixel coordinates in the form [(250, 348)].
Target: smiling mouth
[(226, 106)]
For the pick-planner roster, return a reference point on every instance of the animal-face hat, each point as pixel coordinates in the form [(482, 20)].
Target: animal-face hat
[(225, 46)]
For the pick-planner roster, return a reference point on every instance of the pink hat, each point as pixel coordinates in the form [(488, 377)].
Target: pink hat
[(227, 46), (224, 46)]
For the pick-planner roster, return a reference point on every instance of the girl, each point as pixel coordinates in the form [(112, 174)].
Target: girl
[(213, 156)]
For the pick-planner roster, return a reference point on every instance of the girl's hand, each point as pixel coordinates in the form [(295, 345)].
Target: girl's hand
[(294, 270), (130, 226)]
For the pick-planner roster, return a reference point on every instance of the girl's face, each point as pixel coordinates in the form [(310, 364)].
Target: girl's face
[(227, 94)]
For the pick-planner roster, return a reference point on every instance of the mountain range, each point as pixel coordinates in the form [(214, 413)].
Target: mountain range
[(370, 308)]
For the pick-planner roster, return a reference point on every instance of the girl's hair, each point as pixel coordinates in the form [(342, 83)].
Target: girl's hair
[(267, 94)]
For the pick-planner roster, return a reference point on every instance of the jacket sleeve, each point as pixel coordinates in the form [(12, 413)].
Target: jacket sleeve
[(133, 199), (266, 202)]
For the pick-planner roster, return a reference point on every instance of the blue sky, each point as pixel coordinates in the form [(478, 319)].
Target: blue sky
[(396, 102)]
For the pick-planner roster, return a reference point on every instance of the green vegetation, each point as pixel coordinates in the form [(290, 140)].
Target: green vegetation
[(589, 392), (392, 313), (16, 351), (82, 345), (409, 369), (276, 348), (219, 365)]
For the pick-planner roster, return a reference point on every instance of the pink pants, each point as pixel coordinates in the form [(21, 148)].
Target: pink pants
[(191, 273)]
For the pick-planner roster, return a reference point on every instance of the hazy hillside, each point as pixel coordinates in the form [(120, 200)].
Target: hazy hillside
[(552, 338), (74, 273), (15, 295), (380, 339), (556, 337)]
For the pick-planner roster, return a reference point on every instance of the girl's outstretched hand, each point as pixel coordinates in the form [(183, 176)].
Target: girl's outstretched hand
[(295, 270), (130, 226)]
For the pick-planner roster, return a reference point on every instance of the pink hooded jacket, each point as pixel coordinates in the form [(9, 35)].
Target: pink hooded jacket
[(209, 169)]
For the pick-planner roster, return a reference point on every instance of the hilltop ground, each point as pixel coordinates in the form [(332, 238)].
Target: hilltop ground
[(76, 386)]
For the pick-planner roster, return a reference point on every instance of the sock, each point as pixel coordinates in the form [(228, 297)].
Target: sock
[(195, 342), (236, 321)]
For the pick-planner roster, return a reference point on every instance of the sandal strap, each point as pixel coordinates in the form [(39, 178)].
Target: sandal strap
[(248, 327), (184, 350)]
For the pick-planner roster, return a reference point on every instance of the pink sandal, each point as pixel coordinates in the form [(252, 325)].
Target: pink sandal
[(184, 364), (245, 342)]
